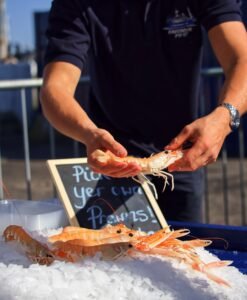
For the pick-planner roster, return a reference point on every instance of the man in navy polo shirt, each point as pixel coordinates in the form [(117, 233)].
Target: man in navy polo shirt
[(145, 58)]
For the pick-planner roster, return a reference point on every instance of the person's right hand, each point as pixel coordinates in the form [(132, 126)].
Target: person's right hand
[(103, 140)]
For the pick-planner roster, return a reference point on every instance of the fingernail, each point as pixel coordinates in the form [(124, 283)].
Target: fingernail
[(120, 153)]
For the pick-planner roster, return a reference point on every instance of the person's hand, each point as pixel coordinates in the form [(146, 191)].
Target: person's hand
[(103, 140), (206, 136)]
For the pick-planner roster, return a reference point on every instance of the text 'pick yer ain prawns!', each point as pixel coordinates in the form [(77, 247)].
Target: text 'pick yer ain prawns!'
[(152, 165), (113, 242)]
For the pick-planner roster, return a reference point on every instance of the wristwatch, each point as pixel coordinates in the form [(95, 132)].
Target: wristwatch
[(234, 114)]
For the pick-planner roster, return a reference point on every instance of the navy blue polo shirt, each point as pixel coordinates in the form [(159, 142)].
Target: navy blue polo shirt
[(144, 59)]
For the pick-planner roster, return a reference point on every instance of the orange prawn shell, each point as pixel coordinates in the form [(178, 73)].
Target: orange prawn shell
[(35, 251), (109, 233)]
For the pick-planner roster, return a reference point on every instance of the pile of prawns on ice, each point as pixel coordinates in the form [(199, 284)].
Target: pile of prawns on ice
[(114, 242)]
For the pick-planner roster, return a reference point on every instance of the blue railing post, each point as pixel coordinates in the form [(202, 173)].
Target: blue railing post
[(241, 174), (26, 143)]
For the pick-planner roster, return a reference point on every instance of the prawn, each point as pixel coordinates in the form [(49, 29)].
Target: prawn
[(35, 251), (153, 165), (74, 243), (166, 243), (75, 251), (88, 237)]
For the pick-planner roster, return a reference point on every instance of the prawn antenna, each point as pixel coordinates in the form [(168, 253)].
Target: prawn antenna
[(106, 202)]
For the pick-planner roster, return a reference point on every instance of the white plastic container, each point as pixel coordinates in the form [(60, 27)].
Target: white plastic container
[(32, 215)]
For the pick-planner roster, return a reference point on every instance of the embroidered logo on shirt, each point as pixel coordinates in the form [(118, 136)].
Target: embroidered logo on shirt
[(180, 24)]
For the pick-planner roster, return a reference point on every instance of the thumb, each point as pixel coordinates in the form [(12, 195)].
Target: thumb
[(119, 150), (181, 141), (115, 147)]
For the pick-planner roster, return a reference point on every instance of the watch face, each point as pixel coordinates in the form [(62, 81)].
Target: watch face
[(235, 118), (235, 123)]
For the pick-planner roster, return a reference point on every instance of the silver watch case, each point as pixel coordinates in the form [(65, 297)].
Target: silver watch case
[(234, 114)]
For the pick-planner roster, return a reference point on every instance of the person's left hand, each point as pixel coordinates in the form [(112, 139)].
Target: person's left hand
[(206, 136)]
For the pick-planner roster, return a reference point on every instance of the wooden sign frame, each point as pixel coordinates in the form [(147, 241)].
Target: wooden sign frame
[(64, 197)]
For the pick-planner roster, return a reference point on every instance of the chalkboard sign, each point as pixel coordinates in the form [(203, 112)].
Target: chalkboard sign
[(93, 200)]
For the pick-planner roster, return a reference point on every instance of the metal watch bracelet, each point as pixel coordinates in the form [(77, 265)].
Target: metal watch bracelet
[(234, 115)]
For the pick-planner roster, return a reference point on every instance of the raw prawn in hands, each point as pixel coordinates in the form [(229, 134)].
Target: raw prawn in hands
[(152, 165)]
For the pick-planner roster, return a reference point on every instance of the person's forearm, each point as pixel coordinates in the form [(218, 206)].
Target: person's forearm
[(65, 114), (229, 42), (234, 90)]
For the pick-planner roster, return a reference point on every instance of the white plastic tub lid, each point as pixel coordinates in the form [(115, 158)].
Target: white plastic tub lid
[(32, 215)]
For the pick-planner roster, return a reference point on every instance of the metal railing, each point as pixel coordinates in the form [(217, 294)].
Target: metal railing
[(216, 73), (22, 86), (218, 77)]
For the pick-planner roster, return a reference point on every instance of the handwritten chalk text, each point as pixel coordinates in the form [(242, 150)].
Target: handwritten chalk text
[(98, 218), (84, 173)]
